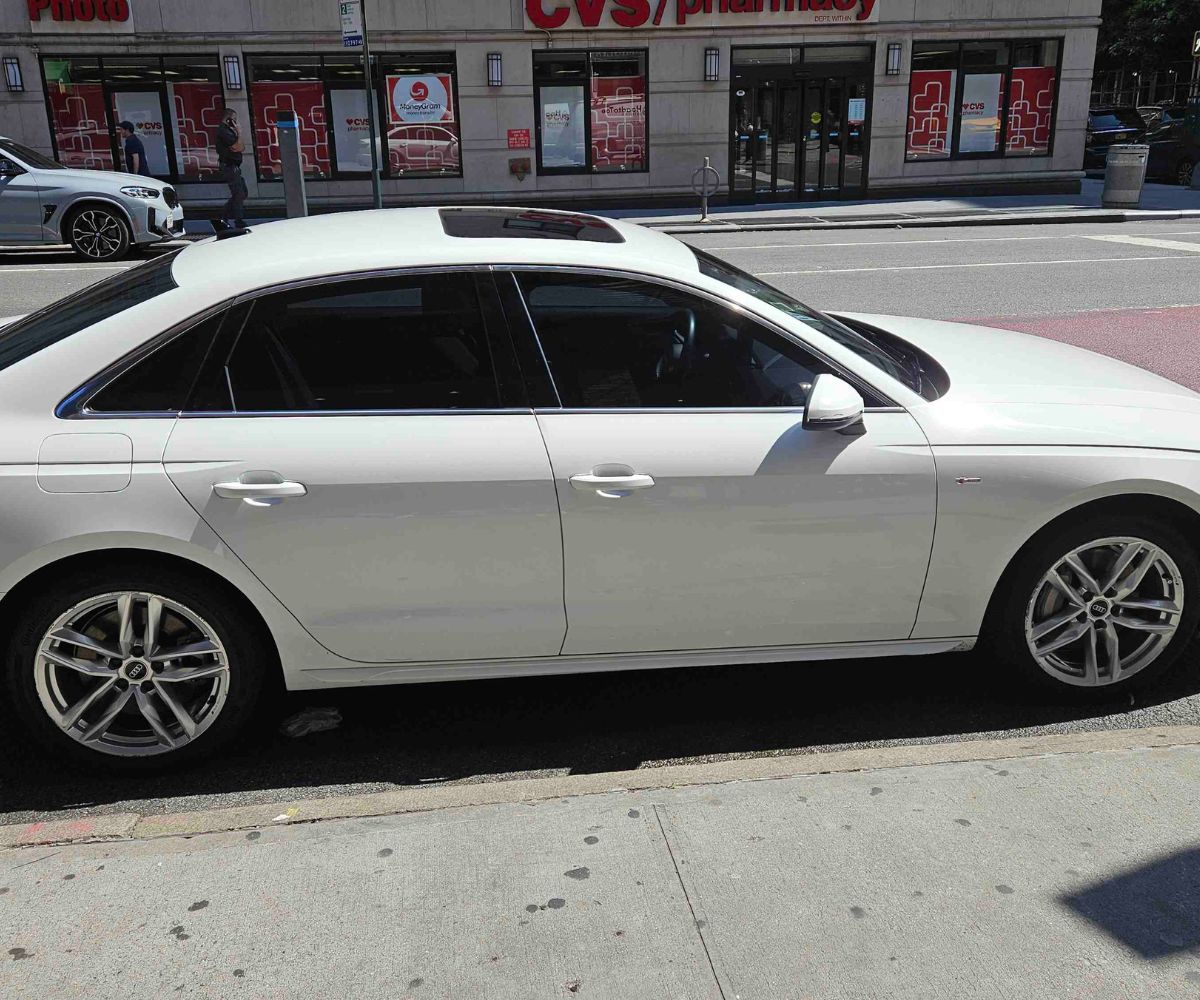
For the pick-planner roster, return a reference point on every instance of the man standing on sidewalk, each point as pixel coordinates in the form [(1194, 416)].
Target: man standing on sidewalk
[(229, 154), (135, 150)]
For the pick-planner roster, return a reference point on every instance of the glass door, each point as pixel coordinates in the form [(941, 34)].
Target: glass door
[(145, 108), (787, 136), (811, 119)]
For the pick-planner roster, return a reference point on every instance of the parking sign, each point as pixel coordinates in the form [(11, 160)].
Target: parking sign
[(352, 30)]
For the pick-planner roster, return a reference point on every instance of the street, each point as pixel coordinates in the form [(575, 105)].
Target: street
[(1128, 290)]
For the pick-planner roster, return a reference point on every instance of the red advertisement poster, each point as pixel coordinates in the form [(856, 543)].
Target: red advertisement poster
[(81, 125), (420, 98), (422, 133), (307, 101), (618, 122), (196, 112), (1030, 104), (931, 99)]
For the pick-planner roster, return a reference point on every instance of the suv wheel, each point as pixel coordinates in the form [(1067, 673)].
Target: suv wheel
[(98, 234), (134, 670), (1183, 173)]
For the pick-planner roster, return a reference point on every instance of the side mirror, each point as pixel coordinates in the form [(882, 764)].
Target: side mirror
[(833, 405), (9, 169)]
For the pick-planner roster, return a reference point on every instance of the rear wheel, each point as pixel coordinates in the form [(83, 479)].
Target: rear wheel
[(98, 233), (1109, 602), (134, 670), (1183, 173)]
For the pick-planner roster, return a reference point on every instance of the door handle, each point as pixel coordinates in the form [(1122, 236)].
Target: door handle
[(613, 487), (259, 494)]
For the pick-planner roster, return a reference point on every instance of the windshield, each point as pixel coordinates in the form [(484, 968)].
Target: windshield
[(883, 356), (1113, 118), (30, 157)]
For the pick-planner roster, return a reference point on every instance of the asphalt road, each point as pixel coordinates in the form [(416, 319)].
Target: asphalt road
[(1130, 290)]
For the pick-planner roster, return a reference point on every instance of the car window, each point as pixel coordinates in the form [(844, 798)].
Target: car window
[(409, 343), (30, 157), (619, 343), (85, 308), (161, 380), (1115, 118)]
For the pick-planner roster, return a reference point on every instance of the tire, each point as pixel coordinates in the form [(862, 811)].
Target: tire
[(1026, 604), (98, 233), (227, 649), (1183, 172)]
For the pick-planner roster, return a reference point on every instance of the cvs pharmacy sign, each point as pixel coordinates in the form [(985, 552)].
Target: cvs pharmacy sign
[(547, 15)]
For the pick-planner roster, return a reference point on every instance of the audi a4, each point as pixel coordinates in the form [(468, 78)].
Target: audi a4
[(424, 444)]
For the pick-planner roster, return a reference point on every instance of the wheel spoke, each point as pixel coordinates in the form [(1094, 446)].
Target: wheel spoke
[(1065, 638), (1112, 649), (1091, 667), (75, 712), (1149, 604), (154, 608), (82, 641), (1127, 555), (180, 713), (1133, 578), (93, 668), (149, 710), (125, 612), (204, 647), (1137, 625), (1054, 578), (175, 674), (100, 726), (1050, 624), (1082, 573)]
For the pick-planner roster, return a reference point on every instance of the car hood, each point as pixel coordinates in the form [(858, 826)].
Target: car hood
[(104, 180), (1014, 388)]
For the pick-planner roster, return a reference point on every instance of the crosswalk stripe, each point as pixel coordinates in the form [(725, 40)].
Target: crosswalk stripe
[(1147, 241)]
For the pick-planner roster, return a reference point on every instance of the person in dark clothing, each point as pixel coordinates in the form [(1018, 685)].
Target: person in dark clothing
[(135, 150), (229, 155)]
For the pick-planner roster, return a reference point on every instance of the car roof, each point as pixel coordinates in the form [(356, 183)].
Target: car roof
[(352, 242)]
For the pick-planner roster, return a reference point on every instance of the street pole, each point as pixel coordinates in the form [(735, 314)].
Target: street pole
[(376, 194)]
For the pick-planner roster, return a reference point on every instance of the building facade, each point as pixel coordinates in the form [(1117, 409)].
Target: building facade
[(567, 100)]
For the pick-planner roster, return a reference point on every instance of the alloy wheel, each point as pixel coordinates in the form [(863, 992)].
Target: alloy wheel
[(97, 234), (1104, 611), (132, 674), (1185, 172)]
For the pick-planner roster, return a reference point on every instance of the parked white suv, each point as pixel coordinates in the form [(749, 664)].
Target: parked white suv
[(100, 213)]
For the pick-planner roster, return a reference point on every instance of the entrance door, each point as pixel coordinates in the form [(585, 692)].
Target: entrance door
[(146, 109)]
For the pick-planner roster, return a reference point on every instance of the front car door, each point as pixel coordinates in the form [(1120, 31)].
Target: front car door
[(697, 513), (20, 203), (362, 447)]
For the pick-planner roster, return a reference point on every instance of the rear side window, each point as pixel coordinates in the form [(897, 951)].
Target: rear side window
[(405, 343), (77, 312)]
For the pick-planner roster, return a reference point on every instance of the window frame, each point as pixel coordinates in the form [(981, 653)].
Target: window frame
[(589, 169), (1001, 151), (523, 326), (506, 370)]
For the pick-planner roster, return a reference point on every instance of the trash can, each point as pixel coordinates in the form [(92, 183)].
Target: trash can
[(1124, 174)]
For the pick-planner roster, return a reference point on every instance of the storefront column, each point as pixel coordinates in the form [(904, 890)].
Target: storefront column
[(239, 100)]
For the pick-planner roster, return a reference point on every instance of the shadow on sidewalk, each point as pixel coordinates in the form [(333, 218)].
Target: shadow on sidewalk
[(484, 730)]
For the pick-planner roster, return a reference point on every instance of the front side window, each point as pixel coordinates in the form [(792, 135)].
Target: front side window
[(405, 343), (30, 157), (614, 342), (77, 312), (591, 111)]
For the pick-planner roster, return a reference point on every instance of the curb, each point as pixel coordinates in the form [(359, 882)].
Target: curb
[(930, 222), (132, 826)]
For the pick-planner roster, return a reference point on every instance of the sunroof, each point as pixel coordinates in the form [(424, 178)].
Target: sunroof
[(526, 224)]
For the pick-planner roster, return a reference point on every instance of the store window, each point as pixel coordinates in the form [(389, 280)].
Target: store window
[(174, 102), (289, 83), (591, 111), (981, 99), (422, 125)]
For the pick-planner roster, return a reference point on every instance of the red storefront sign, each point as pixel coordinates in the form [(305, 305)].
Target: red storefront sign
[(1030, 106), (518, 138), (80, 10), (546, 15), (931, 101)]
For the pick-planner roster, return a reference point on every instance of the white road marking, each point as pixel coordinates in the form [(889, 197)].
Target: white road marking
[(997, 263), (1145, 241), (956, 239)]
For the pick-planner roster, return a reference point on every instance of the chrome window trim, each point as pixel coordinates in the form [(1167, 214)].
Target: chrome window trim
[(853, 378), (254, 414)]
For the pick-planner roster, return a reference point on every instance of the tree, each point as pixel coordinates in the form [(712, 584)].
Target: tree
[(1146, 34)]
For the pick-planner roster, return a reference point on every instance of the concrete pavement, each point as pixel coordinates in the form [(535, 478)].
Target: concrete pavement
[(1061, 874)]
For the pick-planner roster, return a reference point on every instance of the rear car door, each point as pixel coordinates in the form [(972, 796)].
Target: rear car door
[(697, 512), (363, 446)]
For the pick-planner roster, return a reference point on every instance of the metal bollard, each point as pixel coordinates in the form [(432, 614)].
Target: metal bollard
[(1124, 175), (705, 181), (287, 129)]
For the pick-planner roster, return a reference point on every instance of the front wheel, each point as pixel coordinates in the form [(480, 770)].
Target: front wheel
[(134, 670), (1109, 602), (99, 234), (1183, 173)]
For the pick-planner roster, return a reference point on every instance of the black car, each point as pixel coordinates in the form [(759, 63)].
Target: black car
[(1106, 126), (1175, 144)]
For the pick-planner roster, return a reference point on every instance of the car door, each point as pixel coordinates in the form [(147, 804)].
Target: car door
[(697, 512), (20, 203), (362, 446)]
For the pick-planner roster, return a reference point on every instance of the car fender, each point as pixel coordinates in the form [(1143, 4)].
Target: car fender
[(56, 224)]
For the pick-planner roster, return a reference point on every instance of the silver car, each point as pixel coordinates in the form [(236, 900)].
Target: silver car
[(100, 213), (419, 444)]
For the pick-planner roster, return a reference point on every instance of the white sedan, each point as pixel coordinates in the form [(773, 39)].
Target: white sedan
[(423, 444)]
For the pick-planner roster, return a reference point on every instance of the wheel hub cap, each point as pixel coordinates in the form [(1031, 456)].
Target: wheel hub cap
[(1104, 611)]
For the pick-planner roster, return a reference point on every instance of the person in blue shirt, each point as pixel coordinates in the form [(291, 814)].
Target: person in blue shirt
[(135, 151)]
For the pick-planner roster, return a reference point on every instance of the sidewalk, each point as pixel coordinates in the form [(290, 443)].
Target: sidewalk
[(1159, 202), (1010, 872)]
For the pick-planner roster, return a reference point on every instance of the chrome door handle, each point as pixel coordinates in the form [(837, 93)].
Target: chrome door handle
[(259, 494), (613, 487)]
